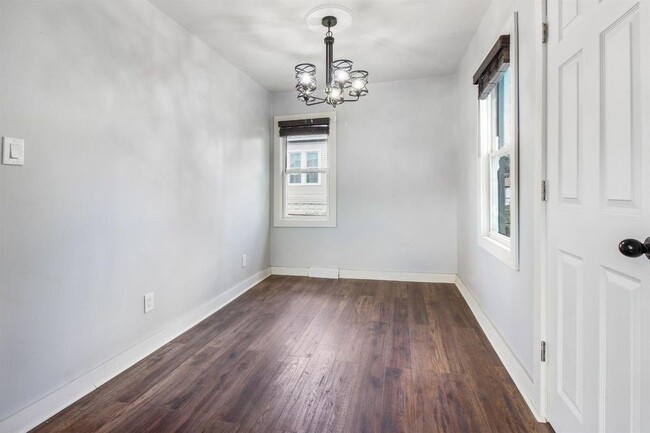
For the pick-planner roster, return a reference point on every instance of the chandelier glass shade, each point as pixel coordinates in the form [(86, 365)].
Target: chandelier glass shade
[(342, 83)]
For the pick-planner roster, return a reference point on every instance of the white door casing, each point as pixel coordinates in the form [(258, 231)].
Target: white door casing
[(598, 145)]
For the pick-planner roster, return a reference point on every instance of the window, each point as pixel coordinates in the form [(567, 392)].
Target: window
[(304, 171), (498, 121)]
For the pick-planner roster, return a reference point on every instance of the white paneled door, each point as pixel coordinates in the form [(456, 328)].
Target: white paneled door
[(599, 194)]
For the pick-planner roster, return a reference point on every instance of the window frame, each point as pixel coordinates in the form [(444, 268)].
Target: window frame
[(502, 247), (280, 219)]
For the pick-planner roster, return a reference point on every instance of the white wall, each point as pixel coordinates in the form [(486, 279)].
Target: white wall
[(147, 169), (396, 183), (506, 295)]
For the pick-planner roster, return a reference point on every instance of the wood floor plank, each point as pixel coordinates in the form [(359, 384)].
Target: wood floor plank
[(396, 401), (252, 389), (398, 352), (301, 407), (432, 414), (466, 413), (366, 407), (416, 304), (303, 355), (219, 383), (283, 335), (427, 350), (158, 419), (338, 327), (275, 398), (350, 344), (82, 420), (332, 408), (309, 340), (188, 422)]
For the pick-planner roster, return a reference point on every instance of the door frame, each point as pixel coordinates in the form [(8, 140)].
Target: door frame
[(540, 268)]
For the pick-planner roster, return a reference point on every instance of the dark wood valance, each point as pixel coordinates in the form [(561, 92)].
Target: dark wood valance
[(495, 64), (316, 126)]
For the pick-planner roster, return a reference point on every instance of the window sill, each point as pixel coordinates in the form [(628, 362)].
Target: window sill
[(290, 222), (499, 250)]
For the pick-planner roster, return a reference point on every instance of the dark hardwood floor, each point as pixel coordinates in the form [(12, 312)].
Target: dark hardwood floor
[(304, 355)]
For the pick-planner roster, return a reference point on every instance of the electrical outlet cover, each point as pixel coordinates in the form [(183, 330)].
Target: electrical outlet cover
[(148, 302)]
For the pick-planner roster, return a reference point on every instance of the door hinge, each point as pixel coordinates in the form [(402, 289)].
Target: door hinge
[(544, 191), (543, 351), (544, 33)]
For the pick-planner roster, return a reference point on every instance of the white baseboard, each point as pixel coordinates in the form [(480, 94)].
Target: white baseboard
[(290, 271), (37, 412), (418, 277), (508, 358)]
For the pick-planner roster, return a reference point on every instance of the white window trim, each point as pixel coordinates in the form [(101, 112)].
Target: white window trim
[(281, 220), (503, 248)]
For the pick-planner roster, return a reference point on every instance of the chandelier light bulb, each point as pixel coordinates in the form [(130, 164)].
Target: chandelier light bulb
[(341, 76), (335, 93)]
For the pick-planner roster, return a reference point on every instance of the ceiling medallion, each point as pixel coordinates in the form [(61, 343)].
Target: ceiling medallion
[(339, 76)]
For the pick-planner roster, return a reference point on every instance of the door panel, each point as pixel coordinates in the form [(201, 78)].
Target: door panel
[(620, 105), (598, 143), (620, 354), (570, 318), (569, 143), (570, 13)]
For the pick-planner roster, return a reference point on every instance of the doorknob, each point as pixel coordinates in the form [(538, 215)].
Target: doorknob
[(634, 248)]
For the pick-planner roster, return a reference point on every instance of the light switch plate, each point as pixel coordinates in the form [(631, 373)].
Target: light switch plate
[(13, 151)]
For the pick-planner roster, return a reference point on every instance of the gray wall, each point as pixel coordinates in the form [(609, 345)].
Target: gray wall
[(396, 183), (506, 295), (147, 169)]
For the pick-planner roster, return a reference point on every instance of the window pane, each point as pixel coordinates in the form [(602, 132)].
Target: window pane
[(312, 160), (502, 110), (307, 200), (294, 178), (500, 195), (294, 159), (312, 177)]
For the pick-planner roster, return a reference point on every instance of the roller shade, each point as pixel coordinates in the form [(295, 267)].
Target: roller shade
[(319, 126), (495, 64)]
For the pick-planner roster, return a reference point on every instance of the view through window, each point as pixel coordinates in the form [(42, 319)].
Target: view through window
[(306, 185)]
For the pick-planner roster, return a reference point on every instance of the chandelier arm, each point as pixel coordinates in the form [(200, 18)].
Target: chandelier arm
[(319, 101)]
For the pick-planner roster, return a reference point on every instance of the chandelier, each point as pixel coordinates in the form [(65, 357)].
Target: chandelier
[(339, 76)]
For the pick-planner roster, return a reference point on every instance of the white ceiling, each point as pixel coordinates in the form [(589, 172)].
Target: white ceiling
[(392, 39)]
